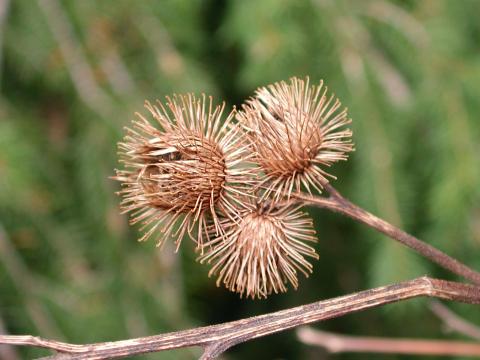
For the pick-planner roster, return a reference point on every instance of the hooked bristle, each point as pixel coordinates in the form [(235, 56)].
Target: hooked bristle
[(297, 131), (263, 252), (179, 176)]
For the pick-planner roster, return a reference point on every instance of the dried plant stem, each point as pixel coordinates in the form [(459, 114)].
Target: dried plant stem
[(454, 322), (4, 8), (336, 202), (218, 338), (336, 343), (82, 74), (7, 351)]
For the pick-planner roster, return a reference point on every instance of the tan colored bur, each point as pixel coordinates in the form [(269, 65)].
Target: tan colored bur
[(263, 252), (183, 169), (298, 132)]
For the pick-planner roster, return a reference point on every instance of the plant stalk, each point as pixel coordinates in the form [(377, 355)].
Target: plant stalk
[(337, 203)]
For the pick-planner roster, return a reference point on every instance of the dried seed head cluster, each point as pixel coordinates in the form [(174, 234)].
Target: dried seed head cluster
[(263, 252), (195, 169), (178, 176), (297, 132)]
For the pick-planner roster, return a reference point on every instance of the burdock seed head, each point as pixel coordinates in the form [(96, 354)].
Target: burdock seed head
[(298, 131), (184, 170), (263, 252)]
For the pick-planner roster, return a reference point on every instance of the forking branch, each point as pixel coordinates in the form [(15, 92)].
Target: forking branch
[(216, 339), (337, 203)]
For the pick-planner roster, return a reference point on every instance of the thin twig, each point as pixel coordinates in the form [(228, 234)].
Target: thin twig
[(336, 343), (453, 321), (7, 352), (27, 285), (82, 75), (336, 202), (169, 59), (218, 338), (397, 17), (4, 7)]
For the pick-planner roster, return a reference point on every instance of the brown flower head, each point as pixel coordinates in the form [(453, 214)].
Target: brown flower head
[(263, 252), (297, 131), (178, 175)]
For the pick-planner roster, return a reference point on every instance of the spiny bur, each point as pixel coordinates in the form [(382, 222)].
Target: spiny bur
[(263, 252), (184, 170), (298, 131)]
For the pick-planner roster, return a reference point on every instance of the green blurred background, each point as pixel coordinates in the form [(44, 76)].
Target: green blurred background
[(74, 72)]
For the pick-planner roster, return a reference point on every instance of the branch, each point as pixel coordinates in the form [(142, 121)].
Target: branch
[(218, 338), (336, 343), (337, 203), (4, 7), (8, 351), (83, 77), (27, 285), (453, 321)]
